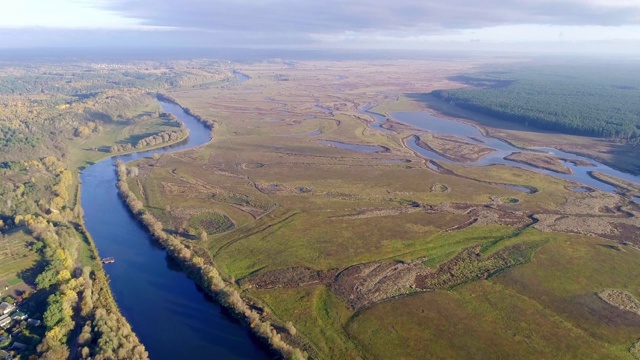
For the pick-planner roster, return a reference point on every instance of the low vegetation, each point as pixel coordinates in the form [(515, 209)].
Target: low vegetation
[(621, 299), (324, 252), (205, 273), (454, 148), (54, 120), (540, 161), (210, 222), (374, 255), (623, 186)]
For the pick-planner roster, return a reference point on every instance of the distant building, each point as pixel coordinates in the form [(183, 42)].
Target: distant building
[(6, 308), (5, 320), (18, 315), (33, 322)]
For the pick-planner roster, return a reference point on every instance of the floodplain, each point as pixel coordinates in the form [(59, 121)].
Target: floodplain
[(381, 254)]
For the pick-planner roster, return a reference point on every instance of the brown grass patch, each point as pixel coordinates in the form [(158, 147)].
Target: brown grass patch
[(454, 148), (620, 299), (540, 161)]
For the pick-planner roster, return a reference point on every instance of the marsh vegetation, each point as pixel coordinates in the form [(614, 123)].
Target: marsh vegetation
[(355, 246)]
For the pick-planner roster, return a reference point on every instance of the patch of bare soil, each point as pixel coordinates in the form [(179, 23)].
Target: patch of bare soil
[(453, 148), (186, 190), (382, 212), (471, 265), (440, 188), (366, 284), (622, 186), (218, 171), (595, 213), (540, 161), (578, 162), (396, 126), (629, 235), (272, 188), (485, 214), (635, 350), (250, 166), (288, 278), (143, 195), (363, 285), (621, 299)]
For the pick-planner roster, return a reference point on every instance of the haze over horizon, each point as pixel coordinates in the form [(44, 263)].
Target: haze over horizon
[(586, 26)]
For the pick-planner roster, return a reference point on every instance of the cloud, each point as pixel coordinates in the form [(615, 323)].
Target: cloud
[(339, 16), (347, 24)]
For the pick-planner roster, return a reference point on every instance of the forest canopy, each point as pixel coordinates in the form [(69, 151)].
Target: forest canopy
[(594, 100)]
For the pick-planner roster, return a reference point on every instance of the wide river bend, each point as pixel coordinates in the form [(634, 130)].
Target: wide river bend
[(173, 318)]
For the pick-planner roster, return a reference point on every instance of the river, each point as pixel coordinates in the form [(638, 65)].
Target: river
[(423, 121), (173, 318)]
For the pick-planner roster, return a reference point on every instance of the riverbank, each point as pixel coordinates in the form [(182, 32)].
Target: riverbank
[(523, 136), (624, 187), (418, 122), (194, 266), (541, 161), (453, 148), (202, 271), (206, 122), (159, 302)]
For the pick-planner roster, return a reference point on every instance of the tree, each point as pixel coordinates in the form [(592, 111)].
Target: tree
[(47, 278), (55, 312)]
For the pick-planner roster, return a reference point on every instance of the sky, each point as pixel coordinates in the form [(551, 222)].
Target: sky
[(534, 25)]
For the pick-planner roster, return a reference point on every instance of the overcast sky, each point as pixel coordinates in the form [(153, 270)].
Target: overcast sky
[(586, 25)]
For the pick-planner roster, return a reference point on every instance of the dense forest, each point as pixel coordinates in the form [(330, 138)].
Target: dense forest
[(53, 119), (593, 100), (44, 107)]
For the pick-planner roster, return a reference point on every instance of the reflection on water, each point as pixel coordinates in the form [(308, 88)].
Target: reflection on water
[(240, 76), (172, 317), (438, 125)]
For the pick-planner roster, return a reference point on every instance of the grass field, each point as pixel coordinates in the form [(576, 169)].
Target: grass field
[(15, 257), (300, 207), (545, 309), (85, 152)]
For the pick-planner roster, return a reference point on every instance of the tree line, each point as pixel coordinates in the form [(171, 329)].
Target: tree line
[(77, 291), (44, 113), (578, 101), (203, 272)]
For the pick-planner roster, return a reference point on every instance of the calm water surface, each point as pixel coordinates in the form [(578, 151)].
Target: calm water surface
[(438, 125), (173, 318)]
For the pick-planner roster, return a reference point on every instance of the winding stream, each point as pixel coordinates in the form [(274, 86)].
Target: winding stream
[(173, 318), (424, 121)]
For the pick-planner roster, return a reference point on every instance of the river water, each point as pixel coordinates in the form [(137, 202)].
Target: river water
[(434, 124), (173, 318)]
